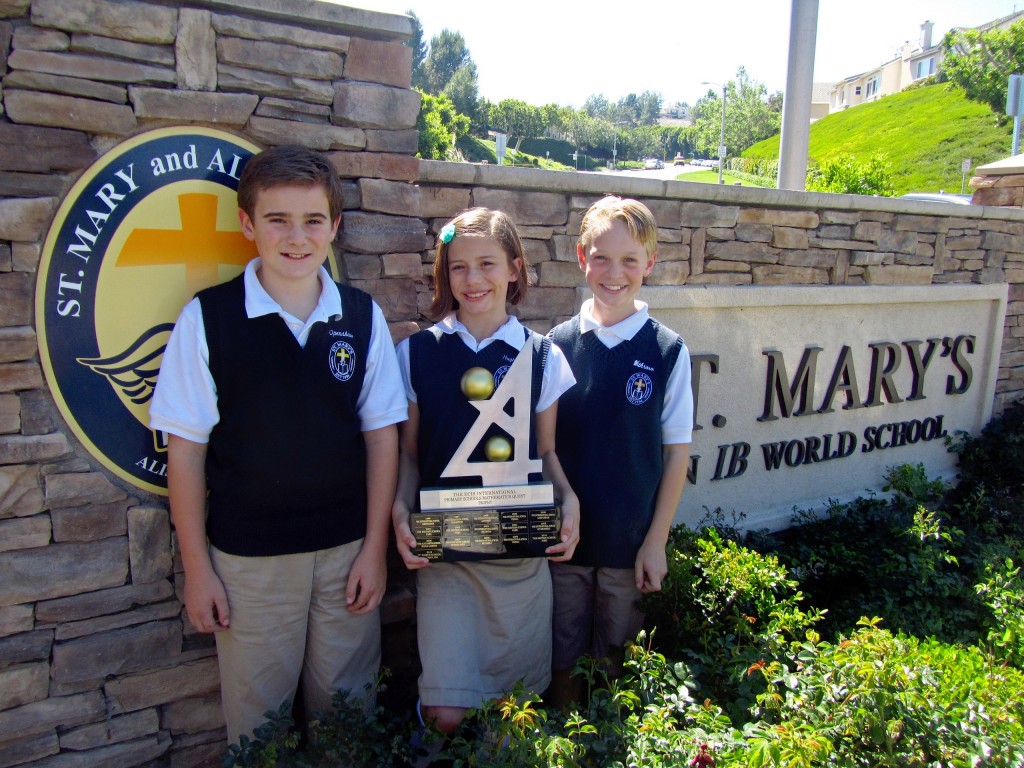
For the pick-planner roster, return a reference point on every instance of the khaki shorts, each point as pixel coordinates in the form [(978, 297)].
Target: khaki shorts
[(595, 613), (483, 626), (288, 616)]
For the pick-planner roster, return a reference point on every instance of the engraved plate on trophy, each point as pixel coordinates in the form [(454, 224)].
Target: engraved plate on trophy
[(507, 516)]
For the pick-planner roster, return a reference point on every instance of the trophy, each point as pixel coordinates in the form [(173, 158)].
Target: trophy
[(507, 516)]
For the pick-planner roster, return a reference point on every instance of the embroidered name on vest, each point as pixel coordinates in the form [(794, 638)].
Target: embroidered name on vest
[(641, 366)]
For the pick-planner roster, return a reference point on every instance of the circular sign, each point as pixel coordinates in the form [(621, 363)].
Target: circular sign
[(146, 226)]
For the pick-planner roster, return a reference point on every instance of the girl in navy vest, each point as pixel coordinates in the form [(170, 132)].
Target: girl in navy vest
[(482, 625)]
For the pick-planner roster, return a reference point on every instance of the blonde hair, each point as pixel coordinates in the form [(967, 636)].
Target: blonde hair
[(477, 222), (635, 215)]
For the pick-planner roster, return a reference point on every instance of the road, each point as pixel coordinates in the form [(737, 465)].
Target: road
[(668, 172)]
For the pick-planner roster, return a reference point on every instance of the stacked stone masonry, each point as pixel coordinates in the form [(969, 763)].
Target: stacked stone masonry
[(98, 664)]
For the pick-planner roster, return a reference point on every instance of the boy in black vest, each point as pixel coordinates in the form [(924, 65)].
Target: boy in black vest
[(623, 434), (280, 391)]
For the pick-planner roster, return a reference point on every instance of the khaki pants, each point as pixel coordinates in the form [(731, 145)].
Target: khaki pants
[(288, 616), (595, 612)]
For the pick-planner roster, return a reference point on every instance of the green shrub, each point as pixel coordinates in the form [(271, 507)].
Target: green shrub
[(899, 561), (647, 718), (723, 608), (890, 700), (1003, 593), (736, 672), (439, 126), (763, 167), (847, 175), (351, 734), (995, 458), (911, 486)]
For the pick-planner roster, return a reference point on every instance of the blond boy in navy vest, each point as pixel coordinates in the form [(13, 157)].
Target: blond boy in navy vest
[(623, 434)]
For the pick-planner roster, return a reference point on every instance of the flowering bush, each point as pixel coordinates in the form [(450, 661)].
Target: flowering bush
[(735, 671)]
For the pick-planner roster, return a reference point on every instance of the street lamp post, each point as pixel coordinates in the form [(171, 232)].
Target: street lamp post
[(721, 141)]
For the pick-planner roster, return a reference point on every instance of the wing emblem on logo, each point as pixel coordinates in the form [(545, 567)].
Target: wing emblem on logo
[(132, 373)]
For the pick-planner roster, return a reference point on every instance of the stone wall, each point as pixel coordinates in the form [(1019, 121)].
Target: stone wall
[(710, 235), (97, 664)]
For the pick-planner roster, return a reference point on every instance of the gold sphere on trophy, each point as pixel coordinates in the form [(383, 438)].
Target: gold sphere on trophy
[(498, 448), (477, 383)]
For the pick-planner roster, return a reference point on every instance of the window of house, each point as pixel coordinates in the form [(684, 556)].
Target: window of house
[(925, 67), (856, 91)]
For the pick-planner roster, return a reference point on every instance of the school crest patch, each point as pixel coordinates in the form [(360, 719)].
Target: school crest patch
[(638, 388), (342, 360)]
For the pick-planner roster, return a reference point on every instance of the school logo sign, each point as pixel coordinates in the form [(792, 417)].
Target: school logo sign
[(149, 224)]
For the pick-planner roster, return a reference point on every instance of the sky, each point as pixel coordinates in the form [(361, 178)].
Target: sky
[(563, 51)]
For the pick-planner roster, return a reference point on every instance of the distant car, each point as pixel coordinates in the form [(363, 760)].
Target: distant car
[(938, 197), (678, 160), (653, 164)]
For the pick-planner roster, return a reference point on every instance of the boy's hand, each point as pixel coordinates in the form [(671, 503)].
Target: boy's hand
[(570, 533), (366, 583), (404, 539), (651, 567), (206, 602)]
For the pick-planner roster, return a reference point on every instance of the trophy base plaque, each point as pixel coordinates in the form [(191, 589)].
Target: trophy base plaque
[(488, 523)]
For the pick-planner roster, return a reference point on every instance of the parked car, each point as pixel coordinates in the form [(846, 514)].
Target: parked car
[(653, 164), (938, 197), (679, 159)]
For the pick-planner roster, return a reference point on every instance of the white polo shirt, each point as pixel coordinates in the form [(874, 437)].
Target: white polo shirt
[(185, 400), (557, 374)]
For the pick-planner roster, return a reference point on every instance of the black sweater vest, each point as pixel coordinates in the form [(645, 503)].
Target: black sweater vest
[(437, 361), (609, 436), (286, 463)]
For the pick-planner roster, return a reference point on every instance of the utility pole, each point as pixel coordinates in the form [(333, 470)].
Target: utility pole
[(796, 103)]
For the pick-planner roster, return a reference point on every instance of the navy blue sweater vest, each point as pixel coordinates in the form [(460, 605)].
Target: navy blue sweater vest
[(609, 436), (437, 361), (286, 463)]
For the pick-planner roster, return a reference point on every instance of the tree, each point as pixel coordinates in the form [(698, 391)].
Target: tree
[(597, 106), (751, 114), (448, 54), (517, 118), (419, 51), (556, 120), (626, 111), (982, 62), (480, 122), (462, 89), (582, 130), (439, 126), (649, 108)]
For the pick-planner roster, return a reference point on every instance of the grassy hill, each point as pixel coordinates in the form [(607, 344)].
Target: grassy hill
[(925, 132)]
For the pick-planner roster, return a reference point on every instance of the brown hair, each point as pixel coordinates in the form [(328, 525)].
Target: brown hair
[(635, 215), (477, 222), (288, 164)]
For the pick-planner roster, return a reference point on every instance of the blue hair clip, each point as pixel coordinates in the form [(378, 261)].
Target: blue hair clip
[(447, 233)]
